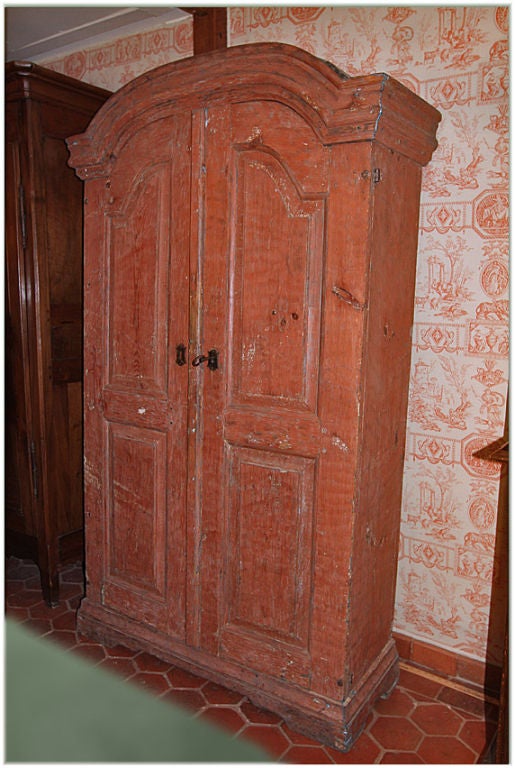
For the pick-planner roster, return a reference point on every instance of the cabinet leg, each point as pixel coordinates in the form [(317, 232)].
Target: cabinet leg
[(50, 586), (390, 682)]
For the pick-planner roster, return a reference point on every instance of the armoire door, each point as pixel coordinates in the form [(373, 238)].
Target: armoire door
[(138, 446), (260, 308)]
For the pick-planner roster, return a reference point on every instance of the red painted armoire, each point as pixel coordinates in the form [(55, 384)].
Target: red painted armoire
[(251, 221)]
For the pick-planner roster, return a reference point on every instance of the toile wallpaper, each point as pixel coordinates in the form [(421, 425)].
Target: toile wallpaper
[(457, 59)]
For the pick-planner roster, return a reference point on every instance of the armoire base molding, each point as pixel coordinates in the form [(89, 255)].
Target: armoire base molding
[(334, 723)]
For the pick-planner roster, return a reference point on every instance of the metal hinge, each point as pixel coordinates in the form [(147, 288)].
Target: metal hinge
[(23, 218), (34, 467), (374, 174)]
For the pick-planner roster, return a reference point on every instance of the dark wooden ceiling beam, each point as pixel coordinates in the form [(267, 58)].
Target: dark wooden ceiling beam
[(209, 28)]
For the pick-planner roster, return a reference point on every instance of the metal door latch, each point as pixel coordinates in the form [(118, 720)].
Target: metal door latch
[(211, 358), (180, 354)]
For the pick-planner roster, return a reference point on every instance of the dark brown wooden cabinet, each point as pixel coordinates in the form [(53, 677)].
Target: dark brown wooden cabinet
[(43, 325), (251, 226)]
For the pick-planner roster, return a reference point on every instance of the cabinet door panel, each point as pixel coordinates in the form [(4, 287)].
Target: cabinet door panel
[(138, 279), (266, 257), (136, 508), (275, 324), (270, 518), (144, 393)]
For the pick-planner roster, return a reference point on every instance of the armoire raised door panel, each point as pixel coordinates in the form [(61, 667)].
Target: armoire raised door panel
[(245, 213), (44, 485)]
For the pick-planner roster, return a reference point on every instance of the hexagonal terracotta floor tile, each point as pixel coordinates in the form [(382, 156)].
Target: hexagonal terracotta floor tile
[(19, 614), (65, 621), (44, 611), (73, 602), (123, 667), (189, 698), (269, 737), (94, 653), (398, 703), (256, 715), (64, 637), (40, 626), (218, 694), (396, 733), (179, 678), (33, 583), (25, 599), (146, 662), (306, 755), (477, 734), (396, 758), (74, 573), (437, 719), (20, 570), (296, 738), (445, 749), (121, 651), (152, 681), (225, 717), (364, 750)]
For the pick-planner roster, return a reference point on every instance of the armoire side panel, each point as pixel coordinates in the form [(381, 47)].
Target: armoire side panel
[(394, 234)]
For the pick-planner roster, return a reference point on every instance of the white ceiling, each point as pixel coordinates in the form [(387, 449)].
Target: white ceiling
[(35, 32)]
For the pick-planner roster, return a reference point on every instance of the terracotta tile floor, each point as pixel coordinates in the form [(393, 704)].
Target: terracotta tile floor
[(423, 721)]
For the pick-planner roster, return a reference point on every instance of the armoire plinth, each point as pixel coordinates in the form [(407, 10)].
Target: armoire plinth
[(43, 318), (251, 223)]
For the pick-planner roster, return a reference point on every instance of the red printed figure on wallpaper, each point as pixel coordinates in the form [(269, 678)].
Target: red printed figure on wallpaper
[(430, 609), (356, 54), (440, 402), (431, 504), (489, 376), (488, 339), (459, 35), (456, 377), (401, 36), (467, 131), (447, 278), (491, 210), (494, 272)]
